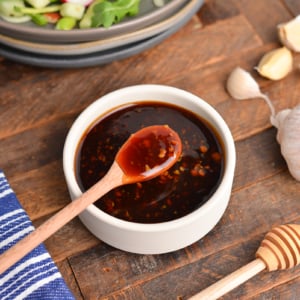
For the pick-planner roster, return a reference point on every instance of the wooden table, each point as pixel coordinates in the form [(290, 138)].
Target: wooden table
[(38, 106)]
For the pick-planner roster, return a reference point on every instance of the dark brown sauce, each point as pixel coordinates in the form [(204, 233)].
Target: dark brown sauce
[(149, 152), (178, 191)]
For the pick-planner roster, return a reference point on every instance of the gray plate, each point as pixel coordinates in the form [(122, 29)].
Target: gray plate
[(97, 58), (99, 45), (149, 14)]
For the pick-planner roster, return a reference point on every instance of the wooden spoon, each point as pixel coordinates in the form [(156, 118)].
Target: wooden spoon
[(146, 154), (279, 250)]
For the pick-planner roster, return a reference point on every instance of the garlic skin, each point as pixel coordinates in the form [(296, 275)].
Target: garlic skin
[(287, 122), (278, 120), (276, 64), (289, 34)]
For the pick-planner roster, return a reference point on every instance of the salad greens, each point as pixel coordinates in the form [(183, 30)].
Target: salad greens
[(107, 13), (7, 8), (69, 14), (38, 3), (25, 10)]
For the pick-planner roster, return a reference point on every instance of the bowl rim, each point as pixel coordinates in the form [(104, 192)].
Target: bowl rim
[(72, 136)]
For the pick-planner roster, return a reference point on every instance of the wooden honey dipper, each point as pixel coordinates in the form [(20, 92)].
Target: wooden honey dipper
[(280, 249)]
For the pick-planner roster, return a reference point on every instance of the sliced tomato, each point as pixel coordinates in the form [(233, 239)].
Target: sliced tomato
[(52, 17)]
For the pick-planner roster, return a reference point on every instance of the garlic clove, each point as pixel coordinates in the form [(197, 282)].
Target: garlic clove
[(289, 34), (276, 64), (241, 85)]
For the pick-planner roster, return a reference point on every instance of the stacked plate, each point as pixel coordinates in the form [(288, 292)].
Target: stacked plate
[(45, 46)]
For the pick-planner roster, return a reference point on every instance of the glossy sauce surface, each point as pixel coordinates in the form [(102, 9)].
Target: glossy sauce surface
[(175, 193)]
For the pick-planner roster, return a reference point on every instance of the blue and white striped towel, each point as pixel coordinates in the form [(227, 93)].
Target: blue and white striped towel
[(34, 277)]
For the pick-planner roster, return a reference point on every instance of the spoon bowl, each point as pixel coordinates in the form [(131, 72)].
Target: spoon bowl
[(148, 153)]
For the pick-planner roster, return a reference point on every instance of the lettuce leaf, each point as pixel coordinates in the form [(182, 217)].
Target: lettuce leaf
[(108, 13)]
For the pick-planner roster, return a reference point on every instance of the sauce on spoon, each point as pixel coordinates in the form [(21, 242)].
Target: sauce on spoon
[(150, 151)]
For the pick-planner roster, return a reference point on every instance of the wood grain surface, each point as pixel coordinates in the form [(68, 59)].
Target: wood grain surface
[(38, 106)]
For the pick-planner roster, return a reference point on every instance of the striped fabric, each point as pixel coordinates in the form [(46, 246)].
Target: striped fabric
[(34, 277)]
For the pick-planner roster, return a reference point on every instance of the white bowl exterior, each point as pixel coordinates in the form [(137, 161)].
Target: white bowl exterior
[(160, 237)]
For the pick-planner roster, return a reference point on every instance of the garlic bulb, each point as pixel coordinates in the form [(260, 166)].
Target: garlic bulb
[(241, 85), (289, 34), (287, 123)]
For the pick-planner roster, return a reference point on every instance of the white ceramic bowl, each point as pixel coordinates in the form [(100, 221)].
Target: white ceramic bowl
[(159, 237)]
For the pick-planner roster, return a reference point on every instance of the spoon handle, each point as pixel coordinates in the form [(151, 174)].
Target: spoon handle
[(111, 180), (231, 281)]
